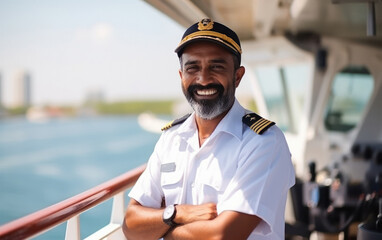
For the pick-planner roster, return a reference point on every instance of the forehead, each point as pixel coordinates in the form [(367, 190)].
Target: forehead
[(204, 49)]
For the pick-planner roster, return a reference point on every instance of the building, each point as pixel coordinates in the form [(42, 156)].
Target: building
[(1, 92), (23, 90)]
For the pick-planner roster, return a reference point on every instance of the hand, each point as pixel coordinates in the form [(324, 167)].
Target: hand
[(192, 213)]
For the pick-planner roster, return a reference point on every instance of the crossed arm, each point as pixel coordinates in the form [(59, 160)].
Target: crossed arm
[(195, 222)]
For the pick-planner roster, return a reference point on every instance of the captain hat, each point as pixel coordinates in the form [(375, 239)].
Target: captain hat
[(208, 30)]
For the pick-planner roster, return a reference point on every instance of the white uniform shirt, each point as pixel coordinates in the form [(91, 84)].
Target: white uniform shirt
[(235, 168)]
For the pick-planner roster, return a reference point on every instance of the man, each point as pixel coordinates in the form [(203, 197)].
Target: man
[(220, 173)]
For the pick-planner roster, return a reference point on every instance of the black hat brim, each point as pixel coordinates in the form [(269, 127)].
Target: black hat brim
[(179, 50)]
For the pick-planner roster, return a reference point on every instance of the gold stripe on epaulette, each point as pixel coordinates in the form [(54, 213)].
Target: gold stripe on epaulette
[(176, 122), (266, 125), (260, 124), (169, 125), (256, 123)]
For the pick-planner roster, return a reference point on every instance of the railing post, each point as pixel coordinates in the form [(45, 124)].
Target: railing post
[(73, 228), (118, 210)]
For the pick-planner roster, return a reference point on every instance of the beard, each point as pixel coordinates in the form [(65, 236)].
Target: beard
[(210, 108)]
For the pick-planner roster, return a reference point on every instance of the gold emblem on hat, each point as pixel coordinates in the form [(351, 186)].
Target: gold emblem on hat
[(205, 24)]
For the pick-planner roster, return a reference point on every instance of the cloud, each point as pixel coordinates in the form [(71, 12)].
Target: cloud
[(102, 31), (99, 32)]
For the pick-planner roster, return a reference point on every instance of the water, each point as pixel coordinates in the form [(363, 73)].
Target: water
[(44, 163)]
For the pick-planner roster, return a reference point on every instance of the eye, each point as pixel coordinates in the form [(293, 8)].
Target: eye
[(217, 67), (192, 68)]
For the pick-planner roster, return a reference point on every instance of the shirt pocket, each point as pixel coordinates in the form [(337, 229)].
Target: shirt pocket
[(214, 180), (211, 188), (171, 183)]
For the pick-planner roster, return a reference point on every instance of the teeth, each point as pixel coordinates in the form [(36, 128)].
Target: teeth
[(206, 92)]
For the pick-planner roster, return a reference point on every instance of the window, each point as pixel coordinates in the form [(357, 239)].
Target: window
[(350, 93), (284, 92)]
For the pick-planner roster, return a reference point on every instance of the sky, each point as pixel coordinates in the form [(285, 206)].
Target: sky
[(123, 48)]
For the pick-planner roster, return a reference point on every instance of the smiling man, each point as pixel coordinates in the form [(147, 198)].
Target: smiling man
[(221, 172)]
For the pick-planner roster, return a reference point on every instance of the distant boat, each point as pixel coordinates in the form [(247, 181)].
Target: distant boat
[(151, 123), (43, 114), (37, 114)]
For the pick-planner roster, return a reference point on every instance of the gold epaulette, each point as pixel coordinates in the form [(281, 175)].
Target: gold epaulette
[(258, 124), (175, 122)]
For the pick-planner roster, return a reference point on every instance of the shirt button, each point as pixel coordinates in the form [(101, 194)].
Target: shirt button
[(192, 185)]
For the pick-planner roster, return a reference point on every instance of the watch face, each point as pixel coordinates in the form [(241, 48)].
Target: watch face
[(168, 212)]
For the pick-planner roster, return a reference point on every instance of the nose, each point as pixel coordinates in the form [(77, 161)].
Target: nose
[(205, 77)]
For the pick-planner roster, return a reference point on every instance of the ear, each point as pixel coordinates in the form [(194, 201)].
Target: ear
[(180, 74), (239, 75)]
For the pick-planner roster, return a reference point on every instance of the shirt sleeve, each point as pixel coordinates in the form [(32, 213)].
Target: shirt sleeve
[(147, 190), (263, 177)]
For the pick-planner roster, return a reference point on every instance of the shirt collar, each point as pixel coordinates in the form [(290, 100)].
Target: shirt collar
[(232, 122), (188, 126)]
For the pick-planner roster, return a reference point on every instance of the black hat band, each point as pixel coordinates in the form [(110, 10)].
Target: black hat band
[(214, 36)]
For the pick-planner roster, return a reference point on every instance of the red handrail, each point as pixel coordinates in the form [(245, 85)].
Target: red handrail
[(51, 216)]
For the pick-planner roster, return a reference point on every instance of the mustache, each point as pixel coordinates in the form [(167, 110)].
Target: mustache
[(194, 87)]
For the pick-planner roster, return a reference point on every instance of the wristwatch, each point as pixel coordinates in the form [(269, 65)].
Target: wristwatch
[(169, 215)]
